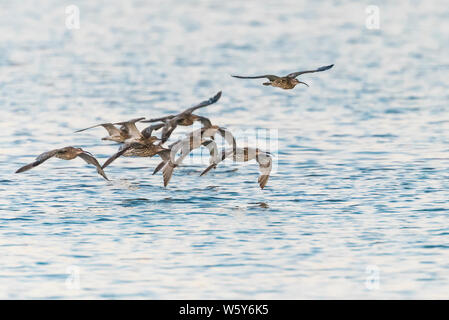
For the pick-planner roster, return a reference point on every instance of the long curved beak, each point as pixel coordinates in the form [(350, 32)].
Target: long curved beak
[(303, 83)]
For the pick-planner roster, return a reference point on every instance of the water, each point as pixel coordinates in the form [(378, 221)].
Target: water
[(357, 208)]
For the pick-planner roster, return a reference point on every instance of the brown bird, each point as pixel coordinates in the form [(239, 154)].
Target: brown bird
[(148, 131), (195, 139), (136, 149), (245, 155), (185, 118), (115, 134), (138, 145), (67, 153), (287, 82), (186, 146), (130, 127)]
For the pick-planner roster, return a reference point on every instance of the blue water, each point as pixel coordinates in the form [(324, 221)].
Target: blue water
[(362, 181)]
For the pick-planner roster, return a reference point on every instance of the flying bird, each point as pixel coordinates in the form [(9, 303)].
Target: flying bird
[(244, 155), (145, 148), (287, 82), (130, 126), (148, 131), (186, 146), (185, 118), (67, 153), (200, 137), (140, 144), (115, 134)]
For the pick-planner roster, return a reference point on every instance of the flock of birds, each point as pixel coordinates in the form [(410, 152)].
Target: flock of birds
[(142, 143)]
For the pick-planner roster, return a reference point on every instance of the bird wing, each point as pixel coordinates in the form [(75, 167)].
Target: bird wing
[(165, 155), (39, 159), (295, 74), (149, 130), (167, 172), (163, 119), (132, 129), (204, 103), (110, 128), (224, 155), (270, 77), (213, 150), (227, 135), (265, 164), (117, 154), (168, 129), (204, 121), (185, 146), (86, 156), (169, 163)]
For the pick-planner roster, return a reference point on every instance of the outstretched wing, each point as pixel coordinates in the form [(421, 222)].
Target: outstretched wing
[(149, 130), (92, 160), (270, 77), (112, 130), (227, 135), (213, 150), (205, 103), (40, 159), (117, 154), (167, 172), (132, 129), (265, 164), (295, 74), (168, 129), (224, 155), (163, 119), (204, 121)]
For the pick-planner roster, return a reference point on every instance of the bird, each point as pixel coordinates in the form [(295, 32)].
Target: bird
[(115, 134), (186, 146), (136, 149), (138, 145), (200, 137), (66, 153), (148, 131), (185, 118), (287, 82), (130, 126), (246, 154), (121, 134)]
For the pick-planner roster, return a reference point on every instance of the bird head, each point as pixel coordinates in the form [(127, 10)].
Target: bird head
[(296, 81)]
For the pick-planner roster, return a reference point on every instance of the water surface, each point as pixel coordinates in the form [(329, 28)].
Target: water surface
[(362, 179)]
